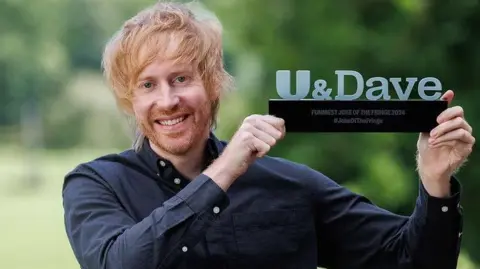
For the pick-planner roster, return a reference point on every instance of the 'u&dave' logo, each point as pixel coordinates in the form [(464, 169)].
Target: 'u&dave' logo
[(378, 87)]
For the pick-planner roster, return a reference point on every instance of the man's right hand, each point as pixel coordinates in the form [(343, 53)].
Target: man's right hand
[(255, 137)]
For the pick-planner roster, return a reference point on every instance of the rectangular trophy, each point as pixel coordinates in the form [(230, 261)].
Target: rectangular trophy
[(345, 113)]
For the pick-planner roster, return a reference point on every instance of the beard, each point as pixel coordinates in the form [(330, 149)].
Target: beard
[(178, 143)]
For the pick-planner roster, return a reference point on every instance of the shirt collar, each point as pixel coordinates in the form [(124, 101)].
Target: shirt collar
[(213, 149)]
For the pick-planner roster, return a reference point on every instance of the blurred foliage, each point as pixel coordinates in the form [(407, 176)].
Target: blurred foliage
[(50, 55)]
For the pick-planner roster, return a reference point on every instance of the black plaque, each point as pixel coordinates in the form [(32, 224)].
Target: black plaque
[(398, 116)]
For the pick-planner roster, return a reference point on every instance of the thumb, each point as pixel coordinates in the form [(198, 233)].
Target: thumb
[(448, 96)]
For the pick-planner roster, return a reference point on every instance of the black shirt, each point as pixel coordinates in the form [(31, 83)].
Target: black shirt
[(133, 210)]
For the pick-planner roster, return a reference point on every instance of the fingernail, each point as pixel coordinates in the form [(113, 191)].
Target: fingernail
[(431, 140), (433, 133)]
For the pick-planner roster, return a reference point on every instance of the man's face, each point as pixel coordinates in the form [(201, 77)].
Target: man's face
[(171, 106)]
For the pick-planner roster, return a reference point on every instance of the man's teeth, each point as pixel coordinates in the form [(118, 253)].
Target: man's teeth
[(172, 122)]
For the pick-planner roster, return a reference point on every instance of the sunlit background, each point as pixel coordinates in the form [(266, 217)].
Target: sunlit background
[(56, 110)]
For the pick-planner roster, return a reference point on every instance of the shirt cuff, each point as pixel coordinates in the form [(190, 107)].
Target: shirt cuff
[(203, 195), (443, 208)]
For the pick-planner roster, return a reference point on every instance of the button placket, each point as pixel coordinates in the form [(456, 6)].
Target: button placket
[(162, 164)]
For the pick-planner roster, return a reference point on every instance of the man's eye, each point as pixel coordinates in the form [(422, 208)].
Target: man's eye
[(147, 85), (181, 79)]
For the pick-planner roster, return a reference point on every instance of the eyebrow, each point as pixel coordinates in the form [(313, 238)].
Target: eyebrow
[(147, 77), (176, 71)]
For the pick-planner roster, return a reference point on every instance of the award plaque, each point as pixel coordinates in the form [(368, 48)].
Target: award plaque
[(380, 112)]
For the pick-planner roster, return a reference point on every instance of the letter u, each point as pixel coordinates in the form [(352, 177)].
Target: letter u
[(302, 82)]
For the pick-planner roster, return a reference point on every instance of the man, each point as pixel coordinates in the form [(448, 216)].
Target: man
[(183, 199)]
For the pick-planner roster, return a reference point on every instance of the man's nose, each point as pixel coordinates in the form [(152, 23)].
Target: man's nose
[(167, 98)]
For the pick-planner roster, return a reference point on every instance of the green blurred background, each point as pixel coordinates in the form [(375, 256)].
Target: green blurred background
[(56, 111)]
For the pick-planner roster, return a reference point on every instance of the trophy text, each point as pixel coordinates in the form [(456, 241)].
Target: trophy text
[(378, 88)]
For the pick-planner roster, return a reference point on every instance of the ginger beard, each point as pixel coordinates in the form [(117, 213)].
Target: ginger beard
[(180, 140)]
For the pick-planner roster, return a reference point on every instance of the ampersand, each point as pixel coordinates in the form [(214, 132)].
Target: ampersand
[(319, 92)]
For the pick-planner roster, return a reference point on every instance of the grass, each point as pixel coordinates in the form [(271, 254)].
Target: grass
[(31, 227)]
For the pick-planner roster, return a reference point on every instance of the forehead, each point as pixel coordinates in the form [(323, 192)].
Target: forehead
[(164, 53)]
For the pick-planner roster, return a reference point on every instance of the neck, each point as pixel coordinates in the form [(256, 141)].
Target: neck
[(189, 164)]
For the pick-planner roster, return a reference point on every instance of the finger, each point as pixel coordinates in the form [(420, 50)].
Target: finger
[(448, 96), (443, 144), (458, 134), (278, 123), (260, 134), (450, 125), (463, 147), (450, 113), (269, 129), (255, 145), (261, 148)]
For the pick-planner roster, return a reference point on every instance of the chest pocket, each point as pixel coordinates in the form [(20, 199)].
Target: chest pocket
[(270, 234)]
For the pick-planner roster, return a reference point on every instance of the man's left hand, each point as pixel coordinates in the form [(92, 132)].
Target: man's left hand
[(444, 150)]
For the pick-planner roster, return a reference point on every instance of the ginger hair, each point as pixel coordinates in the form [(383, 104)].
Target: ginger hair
[(149, 35)]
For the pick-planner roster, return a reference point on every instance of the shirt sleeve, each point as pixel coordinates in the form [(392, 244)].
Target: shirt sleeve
[(103, 235), (355, 233)]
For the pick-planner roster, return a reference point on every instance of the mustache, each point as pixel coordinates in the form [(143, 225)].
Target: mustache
[(168, 113)]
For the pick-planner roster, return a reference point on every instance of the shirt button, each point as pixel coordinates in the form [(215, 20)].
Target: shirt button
[(184, 249), (177, 181), (444, 208), (162, 163), (216, 210)]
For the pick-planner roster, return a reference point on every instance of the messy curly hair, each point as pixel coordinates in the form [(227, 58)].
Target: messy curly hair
[(146, 37)]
